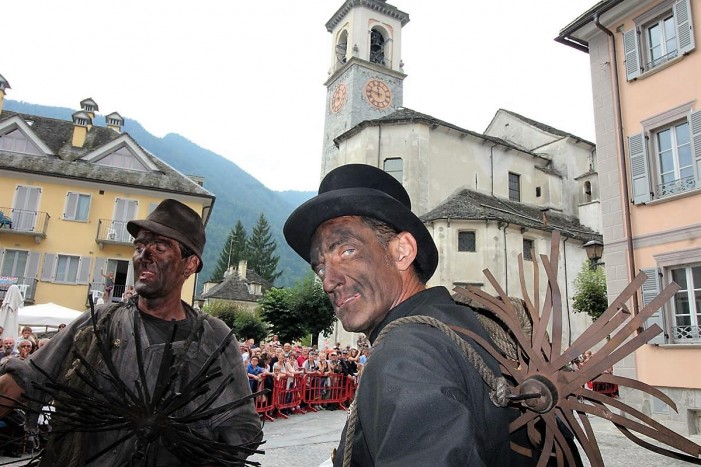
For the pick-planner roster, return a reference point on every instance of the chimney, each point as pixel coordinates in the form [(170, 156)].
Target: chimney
[(89, 107), (242, 268), (544, 213), (81, 125), (3, 85), (115, 122)]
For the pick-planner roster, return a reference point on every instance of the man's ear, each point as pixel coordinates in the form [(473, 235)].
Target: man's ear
[(405, 250), (193, 263)]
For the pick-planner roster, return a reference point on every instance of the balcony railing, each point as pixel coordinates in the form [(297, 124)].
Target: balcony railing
[(676, 186), (687, 334), (23, 222), (27, 285), (113, 232)]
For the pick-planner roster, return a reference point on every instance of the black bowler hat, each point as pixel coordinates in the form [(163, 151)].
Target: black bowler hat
[(174, 220), (361, 190)]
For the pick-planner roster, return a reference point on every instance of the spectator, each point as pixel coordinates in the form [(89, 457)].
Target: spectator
[(255, 373), (61, 326), (25, 348), (287, 349), (101, 299), (109, 284), (9, 349), (27, 335), (128, 293)]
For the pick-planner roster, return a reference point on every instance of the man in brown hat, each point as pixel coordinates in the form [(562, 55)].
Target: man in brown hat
[(419, 401), (164, 413)]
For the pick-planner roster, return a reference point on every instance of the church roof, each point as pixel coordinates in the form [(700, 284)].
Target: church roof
[(472, 205), (234, 287), (544, 127), (406, 115), (65, 159)]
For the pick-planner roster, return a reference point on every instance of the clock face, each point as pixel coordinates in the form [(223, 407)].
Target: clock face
[(338, 98), (378, 94)]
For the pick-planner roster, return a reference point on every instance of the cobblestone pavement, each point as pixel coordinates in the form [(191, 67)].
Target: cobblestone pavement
[(306, 440)]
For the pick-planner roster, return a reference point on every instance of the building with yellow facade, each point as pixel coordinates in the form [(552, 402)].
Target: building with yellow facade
[(67, 191)]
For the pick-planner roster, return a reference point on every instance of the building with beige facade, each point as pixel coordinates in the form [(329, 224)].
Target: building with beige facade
[(647, 100), (486, 197), (67, 190)]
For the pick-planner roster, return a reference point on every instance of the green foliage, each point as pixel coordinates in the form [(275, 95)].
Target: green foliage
[(245, 323), (277, 309), (234, 250), (250, 326), (261, 251), (298, 311), (590, 295)]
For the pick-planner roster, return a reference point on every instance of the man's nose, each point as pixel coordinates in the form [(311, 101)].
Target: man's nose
[(332, 278)]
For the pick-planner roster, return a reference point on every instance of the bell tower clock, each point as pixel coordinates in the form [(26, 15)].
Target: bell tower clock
[(366, 76)]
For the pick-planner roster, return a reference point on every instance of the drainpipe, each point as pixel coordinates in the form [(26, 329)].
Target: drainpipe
[(622, 159), (491, 165), (506, 260), (567, 290), (379, 142)]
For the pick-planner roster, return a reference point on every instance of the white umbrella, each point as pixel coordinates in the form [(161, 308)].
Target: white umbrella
[(12, 302), (46, 315)]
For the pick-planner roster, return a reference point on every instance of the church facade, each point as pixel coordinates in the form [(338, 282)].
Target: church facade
[(486, 197)]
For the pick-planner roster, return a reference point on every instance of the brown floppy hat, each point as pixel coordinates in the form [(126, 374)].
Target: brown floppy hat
[(361, 190), (174, 220)]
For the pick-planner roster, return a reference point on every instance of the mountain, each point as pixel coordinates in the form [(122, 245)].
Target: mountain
[(239, 195)]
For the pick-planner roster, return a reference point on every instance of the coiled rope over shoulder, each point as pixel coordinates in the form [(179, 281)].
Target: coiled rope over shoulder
[(499, 387)]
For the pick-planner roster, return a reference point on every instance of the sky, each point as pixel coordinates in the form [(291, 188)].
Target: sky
[(246, 79)]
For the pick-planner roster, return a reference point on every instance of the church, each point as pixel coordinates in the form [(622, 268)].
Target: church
[(485, 197)]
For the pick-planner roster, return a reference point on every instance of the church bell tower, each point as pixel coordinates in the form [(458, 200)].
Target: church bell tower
[(366, 76)]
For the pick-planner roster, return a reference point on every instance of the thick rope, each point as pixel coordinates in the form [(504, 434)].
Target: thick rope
[(500, 389)]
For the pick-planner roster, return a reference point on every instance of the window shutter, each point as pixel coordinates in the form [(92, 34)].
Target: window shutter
[(97, 279), (2, 255), (639, 172), (695, 123), (71, 206), (83, 270), (32, 267), (47, 272), (630, 49), (685, 33), (650, 290)]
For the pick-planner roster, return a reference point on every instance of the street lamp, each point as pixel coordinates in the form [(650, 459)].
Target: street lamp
[(595, 250)]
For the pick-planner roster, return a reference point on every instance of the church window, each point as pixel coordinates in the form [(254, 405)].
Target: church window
[(377, 47), (467, 241), (514, 187), (395, 167), (527, 249)]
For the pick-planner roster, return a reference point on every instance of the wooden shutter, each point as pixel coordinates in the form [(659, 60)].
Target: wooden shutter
[(650, 290), (83, 270), (47, 272), (695, 123), (639, 171), (630, 50), (685, 30)]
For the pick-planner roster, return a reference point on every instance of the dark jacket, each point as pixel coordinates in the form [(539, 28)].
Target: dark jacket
[(420, 402)]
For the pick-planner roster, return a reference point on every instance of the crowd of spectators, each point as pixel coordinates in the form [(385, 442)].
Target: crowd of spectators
[(273, 361)]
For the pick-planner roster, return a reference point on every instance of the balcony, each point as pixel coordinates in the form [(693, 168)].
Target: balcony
[(112, 232), (23, 222), (27, 287), (674, 187), (687, 334)]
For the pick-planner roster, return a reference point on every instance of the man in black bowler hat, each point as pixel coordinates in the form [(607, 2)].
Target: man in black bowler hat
[(210, 425), (420, 402)]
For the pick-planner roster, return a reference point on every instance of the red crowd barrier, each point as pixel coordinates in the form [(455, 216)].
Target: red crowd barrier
[(308, 390)]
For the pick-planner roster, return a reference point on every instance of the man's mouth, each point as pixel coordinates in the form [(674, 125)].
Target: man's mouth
[(342, 301)]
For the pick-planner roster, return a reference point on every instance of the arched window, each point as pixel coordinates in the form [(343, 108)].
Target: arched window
[(377, 47), (342, 48), (395, 167), (587, 191)]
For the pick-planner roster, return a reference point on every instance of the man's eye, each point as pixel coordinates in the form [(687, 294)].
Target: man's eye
[(320, 271), (348, 252)]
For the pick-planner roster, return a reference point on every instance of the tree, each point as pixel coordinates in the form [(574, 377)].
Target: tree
[(313, 307), (590, 294), (298, 311), (277, 308), (245, 323), (261, 251), (234, 250)]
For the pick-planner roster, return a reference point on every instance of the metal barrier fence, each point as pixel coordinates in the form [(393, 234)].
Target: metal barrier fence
[(302, 393)]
